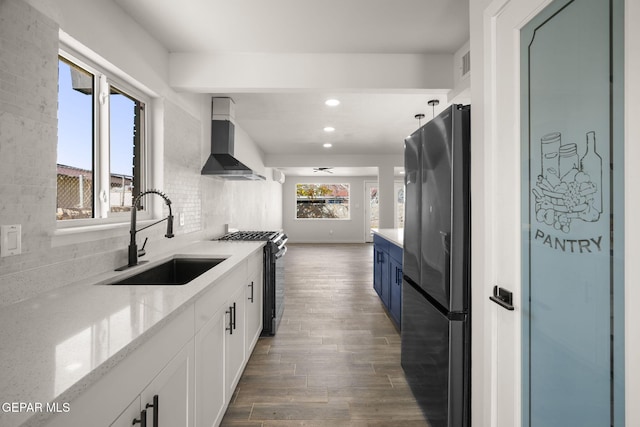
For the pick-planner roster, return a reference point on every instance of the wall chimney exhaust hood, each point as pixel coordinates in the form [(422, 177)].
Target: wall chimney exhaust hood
[(221, 162)]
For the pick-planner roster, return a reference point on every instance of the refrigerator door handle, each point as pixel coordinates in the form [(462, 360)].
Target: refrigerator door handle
[(502, 297), (446, 241)]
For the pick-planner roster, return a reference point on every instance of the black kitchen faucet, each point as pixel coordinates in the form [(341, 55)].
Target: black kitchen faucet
[(134, 253)]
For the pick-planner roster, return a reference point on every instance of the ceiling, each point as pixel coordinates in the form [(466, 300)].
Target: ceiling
[(338, 171), (304, 26), (291, 122)]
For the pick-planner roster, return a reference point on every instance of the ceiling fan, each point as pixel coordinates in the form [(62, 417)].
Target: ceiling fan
[(327, 170)]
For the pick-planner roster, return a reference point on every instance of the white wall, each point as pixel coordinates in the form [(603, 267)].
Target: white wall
[(248, 152), (28, 139), (325, 230), (461, 92)]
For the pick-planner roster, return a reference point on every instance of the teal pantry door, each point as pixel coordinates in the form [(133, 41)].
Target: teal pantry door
[(572, 195)]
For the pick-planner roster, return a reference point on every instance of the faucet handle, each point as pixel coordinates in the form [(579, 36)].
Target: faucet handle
[(141, 251)]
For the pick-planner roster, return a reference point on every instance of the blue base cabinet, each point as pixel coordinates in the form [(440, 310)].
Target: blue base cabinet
[(387, 276)]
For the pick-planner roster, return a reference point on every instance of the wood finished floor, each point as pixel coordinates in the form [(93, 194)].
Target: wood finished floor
[(335, 360)]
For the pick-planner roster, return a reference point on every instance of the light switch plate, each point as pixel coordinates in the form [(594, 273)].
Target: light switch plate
[(10, 240)]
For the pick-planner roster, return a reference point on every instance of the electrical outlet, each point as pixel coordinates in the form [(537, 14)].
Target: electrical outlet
[(181, 216)]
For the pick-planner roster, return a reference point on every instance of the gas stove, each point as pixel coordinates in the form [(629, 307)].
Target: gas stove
[(273, 291), (251, 235)]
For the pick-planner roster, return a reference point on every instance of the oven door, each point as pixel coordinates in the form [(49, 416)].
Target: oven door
[(273, 287)]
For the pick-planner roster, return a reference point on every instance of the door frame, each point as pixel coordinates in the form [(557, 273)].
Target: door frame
[(485, 176), (368, 235), (632, 204)]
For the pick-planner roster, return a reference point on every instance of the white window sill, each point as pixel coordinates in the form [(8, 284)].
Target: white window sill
[(90, 233)]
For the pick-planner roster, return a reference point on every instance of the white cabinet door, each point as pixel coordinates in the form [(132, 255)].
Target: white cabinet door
[(253, 301), (131, 413), (174, 387), (209, 358), (235, 339)]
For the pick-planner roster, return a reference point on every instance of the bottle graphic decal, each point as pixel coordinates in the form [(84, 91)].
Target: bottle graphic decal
[(568, 188), (591, 164)]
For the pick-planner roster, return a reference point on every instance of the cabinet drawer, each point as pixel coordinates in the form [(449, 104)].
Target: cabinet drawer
[(255, 262), (395, 252), (381, 243), (219, 293)]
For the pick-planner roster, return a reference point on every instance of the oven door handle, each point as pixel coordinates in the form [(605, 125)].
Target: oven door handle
[(282, 242), (281, 253)]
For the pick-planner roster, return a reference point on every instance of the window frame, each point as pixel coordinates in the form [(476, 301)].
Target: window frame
[(143, 178), (106, 76), (295, 213)]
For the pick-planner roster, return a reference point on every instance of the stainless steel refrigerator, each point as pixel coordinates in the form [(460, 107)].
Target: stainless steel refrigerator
[(436, 325)]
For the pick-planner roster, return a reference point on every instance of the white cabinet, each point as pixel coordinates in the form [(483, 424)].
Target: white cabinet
[(234, 340), (228, 324), (210, 393), (253, 301), (169, 397), (172, 392)]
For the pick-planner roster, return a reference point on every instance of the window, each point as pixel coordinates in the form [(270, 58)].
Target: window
[(322, 201), (101, 134)]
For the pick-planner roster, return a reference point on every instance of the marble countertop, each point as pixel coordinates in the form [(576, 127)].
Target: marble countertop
[(394, 235), (57, 344)]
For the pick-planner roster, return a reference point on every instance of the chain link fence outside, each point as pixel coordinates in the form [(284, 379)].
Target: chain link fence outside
[(75, 193)]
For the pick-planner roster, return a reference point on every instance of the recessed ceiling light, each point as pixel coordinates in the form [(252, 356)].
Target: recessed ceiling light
[(327, 145), (329, 129), (332, 102)]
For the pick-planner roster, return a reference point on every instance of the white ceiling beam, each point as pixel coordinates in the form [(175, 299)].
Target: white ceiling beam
[(255, 72), (332, 160)]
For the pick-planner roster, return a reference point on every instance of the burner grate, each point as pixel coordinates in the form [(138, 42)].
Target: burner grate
[(250, 235)]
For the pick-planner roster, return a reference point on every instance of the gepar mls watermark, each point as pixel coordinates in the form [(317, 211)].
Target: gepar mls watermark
[(18, 407)]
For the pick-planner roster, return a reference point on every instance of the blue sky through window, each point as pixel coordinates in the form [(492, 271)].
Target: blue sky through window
[(75, 124)]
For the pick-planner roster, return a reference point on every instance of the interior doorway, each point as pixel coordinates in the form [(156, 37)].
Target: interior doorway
[(372, 207), (371, 211)]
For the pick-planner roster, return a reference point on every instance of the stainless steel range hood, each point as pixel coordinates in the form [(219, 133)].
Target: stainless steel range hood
[(222, 162)]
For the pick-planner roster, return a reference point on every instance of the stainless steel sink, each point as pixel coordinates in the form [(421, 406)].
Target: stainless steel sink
[(177, 271)]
